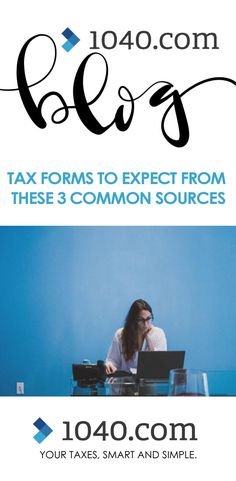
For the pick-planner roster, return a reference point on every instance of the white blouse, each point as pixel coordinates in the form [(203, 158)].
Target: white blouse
[(115, 355)]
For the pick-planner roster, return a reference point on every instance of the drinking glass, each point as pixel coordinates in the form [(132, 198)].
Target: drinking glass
[(188, 382)]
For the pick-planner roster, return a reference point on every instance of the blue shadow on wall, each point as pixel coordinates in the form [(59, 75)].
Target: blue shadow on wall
[(65, 290)]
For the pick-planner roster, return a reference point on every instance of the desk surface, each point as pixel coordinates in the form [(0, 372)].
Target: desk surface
[(122, 386), (221, 383)]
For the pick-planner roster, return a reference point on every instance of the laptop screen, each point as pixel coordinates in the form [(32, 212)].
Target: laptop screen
[(157, 364)]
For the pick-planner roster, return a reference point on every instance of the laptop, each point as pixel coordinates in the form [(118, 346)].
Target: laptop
[(157, 364)]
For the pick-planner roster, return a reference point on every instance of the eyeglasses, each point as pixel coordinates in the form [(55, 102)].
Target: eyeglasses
[(143, 320)]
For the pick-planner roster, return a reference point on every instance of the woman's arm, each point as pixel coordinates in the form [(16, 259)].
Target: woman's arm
[(156, 339), (113, 360)]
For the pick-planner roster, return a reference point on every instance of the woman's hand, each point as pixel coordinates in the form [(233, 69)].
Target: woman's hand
[(110, 368), (148, 337)]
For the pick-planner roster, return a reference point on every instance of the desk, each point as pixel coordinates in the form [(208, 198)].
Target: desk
[(123, 386), (221, 383)]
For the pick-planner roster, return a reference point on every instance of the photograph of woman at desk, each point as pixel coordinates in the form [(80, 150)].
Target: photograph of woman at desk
[(138, 334)]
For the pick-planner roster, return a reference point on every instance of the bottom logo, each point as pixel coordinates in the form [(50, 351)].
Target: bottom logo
[(44, 430)]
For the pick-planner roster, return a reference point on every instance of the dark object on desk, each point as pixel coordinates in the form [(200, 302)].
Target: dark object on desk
[(119, 373), (157, 364), (89, 372)]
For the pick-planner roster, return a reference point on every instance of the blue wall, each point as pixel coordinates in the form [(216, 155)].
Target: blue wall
[(65, 290)]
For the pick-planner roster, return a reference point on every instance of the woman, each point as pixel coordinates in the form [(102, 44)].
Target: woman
[(138, 334)]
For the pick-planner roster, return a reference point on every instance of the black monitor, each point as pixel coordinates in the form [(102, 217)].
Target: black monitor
[(157, 364)]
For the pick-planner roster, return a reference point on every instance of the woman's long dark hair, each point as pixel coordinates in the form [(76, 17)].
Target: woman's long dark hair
[(130, 332)]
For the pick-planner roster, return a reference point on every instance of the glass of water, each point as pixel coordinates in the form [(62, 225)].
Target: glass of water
[(188, 382)]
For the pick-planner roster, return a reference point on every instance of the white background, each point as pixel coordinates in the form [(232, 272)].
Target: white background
[(214, 449), (70, 147)]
